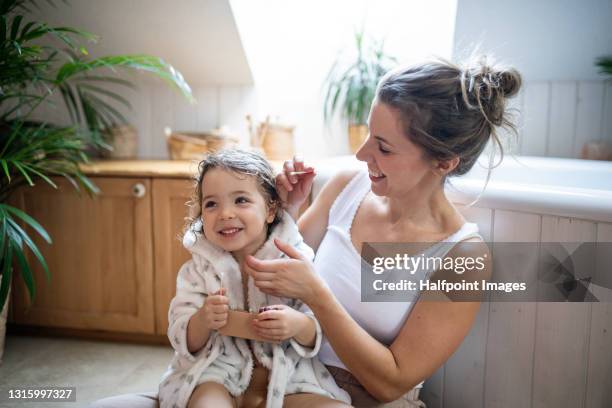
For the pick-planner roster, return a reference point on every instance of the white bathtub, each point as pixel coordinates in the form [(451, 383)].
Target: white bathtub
[(562, 187)]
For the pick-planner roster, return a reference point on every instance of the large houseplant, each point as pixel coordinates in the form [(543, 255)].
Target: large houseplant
[(31, 72), (351, 84)]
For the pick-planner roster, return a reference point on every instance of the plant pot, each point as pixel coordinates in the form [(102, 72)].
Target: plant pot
[(596, 150), (278, 142), (124, 140), (357, 135)]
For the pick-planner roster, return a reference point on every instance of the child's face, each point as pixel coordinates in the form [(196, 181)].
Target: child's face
[(234, 212)]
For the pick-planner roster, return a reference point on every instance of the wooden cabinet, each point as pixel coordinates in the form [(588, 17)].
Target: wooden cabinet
[(114, 257), (169, 211)]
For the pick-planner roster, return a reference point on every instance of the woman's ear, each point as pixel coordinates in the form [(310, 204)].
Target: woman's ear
[(444, 167)]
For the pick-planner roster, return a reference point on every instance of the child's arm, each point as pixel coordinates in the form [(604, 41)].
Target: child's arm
[(187, 315), (211, 316)]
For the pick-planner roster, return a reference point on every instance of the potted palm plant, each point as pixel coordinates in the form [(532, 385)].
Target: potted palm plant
[(30, 152), (351, 84)]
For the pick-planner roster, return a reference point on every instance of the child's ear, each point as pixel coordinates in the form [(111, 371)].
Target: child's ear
[(272, 209)]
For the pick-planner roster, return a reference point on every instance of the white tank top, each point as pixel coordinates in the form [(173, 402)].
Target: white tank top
[(339, 263)]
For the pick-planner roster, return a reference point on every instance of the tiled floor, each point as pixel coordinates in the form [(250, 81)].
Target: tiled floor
[(97, 369)]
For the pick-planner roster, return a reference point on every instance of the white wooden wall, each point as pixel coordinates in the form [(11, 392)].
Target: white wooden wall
[(156, 106), (556, 117), (531, 354), (560, 116)]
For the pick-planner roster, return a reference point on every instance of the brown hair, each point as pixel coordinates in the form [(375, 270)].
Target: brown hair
[(450, 110), (240, 161)]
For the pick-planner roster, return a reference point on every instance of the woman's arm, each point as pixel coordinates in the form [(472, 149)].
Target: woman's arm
[(431, 333)]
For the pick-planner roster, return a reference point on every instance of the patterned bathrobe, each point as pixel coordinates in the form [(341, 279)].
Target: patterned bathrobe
[(228, 360)]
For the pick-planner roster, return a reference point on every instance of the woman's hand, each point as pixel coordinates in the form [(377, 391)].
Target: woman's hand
[(293, 278), (294, 189), (280, 322), (215, 310)]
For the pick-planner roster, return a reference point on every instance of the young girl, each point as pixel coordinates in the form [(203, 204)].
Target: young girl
[(238, 213)]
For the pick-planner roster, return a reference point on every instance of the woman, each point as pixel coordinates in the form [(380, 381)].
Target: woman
[(427, 122)]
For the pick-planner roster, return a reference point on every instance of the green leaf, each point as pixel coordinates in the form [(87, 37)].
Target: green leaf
[(89, 78), (17, 46), (6, 170), (26, 239), (22, 171), (3, 232), (7, 268), (28, 220), (71, 102), (41, 175), (350, 87), (2, 29), (108, 93), (26, 29), (15, 27), (91, 187), (103, 106), (26, 272)]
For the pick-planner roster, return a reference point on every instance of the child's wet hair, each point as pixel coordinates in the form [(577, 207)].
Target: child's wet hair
[(243, 162)]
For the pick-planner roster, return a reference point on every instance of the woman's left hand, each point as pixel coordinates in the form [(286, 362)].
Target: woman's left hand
[(279, 322), (294, 277)]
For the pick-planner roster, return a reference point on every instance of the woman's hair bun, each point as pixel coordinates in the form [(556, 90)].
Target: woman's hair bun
[(510, 80), (486, 85)]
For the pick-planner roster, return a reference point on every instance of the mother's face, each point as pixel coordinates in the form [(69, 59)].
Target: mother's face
[(396, 165)]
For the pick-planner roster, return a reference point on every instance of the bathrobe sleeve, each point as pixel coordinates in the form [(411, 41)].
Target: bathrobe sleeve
[(304, 351), (190, 296)]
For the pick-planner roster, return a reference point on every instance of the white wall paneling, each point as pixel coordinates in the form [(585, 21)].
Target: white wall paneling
[(162, 115), (554, 118), (560, 116), (464, 373), (606, 117), (599, 373), (562, 330), (511, 326), (563, 103), (155, 106), (536, 114), (589, 113), (531, 354)]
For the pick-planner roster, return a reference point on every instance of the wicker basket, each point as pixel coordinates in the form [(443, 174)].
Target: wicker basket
[(274, 139), (195, 145)]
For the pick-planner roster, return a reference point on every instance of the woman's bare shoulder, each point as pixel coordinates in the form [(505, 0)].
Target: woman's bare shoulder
[(313, 222), (336, 184)]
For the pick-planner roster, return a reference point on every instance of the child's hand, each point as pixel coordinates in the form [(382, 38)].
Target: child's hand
[(279, 322), (215, 310)]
